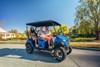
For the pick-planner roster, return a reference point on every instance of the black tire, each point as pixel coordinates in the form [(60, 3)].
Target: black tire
[(29, 49), (61, 55), (69, 50)]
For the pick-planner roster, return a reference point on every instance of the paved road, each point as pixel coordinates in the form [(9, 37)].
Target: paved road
[(14, 55)]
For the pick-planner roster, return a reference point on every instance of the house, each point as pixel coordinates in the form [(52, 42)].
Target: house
[(6, 35), (72, 28)]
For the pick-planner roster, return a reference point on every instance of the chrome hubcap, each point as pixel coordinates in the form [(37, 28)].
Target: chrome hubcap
[(59, 54)]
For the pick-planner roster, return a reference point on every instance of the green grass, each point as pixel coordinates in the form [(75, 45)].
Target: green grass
[(13, 42), (80, 39), (84, 44), (74, 44)]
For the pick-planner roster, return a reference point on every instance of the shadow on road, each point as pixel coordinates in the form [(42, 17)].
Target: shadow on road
[(21, 54)]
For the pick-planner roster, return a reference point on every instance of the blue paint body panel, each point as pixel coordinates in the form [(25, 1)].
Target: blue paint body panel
[(67, 44), (60, 39), (43, 44), (30, 42), (63, 38)]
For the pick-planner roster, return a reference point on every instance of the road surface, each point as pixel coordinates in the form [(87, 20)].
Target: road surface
[(14, 55)]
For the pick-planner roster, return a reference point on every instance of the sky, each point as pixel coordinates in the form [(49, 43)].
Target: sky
[(14, 14)]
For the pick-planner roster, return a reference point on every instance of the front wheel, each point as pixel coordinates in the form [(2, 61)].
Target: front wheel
[(60, 54), (29, 49), (69, 50)]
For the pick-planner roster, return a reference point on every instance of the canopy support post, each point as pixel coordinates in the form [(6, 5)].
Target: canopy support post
[(27, 31), (54, 27)]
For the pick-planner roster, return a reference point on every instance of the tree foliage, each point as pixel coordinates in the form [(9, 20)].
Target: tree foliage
[(61, 29), (85, 28), (13, 31), (88, 16)]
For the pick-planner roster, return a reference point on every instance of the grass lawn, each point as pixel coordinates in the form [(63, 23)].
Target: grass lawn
[(95, 44), (13, 42), (85, 44)]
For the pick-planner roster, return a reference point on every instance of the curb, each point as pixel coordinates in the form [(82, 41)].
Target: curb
[(92, 49)]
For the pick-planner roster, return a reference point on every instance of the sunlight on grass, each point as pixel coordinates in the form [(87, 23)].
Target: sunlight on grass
[(84, 44)]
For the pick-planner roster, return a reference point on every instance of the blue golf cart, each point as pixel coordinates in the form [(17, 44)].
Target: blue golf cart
[(61, 43)]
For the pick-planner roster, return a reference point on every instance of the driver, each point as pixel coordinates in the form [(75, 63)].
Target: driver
[(48, 37)]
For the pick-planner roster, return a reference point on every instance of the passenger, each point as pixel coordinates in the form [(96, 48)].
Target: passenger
[(32, 35), (48, 37), (41, 33)]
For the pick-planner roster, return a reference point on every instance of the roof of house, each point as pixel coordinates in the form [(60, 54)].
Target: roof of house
[(2, 30)]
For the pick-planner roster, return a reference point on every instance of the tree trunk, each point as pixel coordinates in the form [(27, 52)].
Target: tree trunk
[(97, 35), (97, 31)]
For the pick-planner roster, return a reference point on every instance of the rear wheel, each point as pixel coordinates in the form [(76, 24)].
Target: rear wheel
[(60, 54), (29, 49)]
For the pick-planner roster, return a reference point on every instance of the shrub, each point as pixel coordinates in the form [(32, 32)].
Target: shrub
[(19, 38), (0, 38), (82, 39)]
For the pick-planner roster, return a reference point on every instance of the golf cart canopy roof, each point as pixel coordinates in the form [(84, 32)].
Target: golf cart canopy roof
[(44, 23)]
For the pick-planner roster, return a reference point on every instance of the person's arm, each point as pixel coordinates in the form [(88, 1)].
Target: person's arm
[(49, 34)]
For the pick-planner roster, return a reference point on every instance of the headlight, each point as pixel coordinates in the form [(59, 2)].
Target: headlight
[(64, 40)]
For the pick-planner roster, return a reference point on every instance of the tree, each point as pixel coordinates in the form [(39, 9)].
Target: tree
[(85, 28), (61, 29), (89, 11), (64, 29), (74, 31), (26, 32), (14, 31)]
